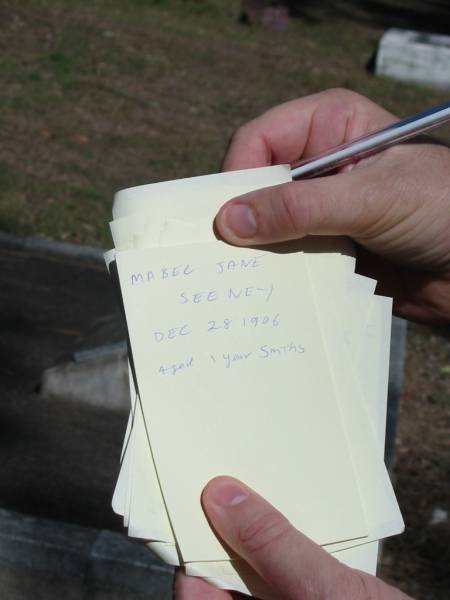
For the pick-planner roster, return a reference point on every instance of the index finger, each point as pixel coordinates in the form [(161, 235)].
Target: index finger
[(303, 128)]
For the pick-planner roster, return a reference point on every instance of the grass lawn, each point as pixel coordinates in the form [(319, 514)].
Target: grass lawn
[(98, 95)]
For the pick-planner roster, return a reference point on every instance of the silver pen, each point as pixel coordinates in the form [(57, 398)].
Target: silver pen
[(372, 143)]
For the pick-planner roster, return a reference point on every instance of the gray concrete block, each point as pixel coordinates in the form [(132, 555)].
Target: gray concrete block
[(44, 545), (116, 559), (20, 583), (44, 247), (40, 558), (415, 57), (396, 370), (98, 377)]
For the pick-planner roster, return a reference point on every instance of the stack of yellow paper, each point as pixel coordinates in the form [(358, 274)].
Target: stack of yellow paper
[(267, 364)]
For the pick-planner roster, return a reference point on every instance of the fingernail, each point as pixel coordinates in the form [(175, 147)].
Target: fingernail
[(226, 494), (240, 219)]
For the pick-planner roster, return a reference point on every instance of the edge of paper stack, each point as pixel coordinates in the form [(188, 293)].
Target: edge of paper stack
[(268, 364)]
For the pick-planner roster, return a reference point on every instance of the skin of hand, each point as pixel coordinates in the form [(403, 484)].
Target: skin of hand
[(395, 205), (290, 565)]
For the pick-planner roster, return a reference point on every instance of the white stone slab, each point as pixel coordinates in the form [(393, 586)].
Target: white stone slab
[(415, 57)]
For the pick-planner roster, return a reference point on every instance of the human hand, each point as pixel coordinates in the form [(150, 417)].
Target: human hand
[(289, 564), (395, 205)]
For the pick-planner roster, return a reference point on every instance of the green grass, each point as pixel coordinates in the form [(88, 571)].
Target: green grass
[(104, 94)]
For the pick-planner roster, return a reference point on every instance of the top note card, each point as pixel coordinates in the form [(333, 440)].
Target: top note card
[(234, 380)]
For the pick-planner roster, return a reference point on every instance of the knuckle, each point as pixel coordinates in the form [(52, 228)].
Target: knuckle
[(343, 95), (350, 584), (294, 214), (363, 588), (263, 532), (242, 133), (237, 135)]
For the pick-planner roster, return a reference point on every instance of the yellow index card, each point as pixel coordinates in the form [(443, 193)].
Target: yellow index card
[(195, 196), (234, 379)]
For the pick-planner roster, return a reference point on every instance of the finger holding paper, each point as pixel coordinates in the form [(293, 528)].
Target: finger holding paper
[(165, 256), (395, 205), (304, 128), (291, 566)]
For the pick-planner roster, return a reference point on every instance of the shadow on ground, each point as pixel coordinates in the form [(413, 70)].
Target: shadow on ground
[(432, 16)]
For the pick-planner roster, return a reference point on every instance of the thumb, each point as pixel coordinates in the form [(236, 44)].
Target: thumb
[(290, 563), (341, 204)]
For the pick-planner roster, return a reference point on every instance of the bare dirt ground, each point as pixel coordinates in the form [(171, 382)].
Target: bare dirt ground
[(100, 95)]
